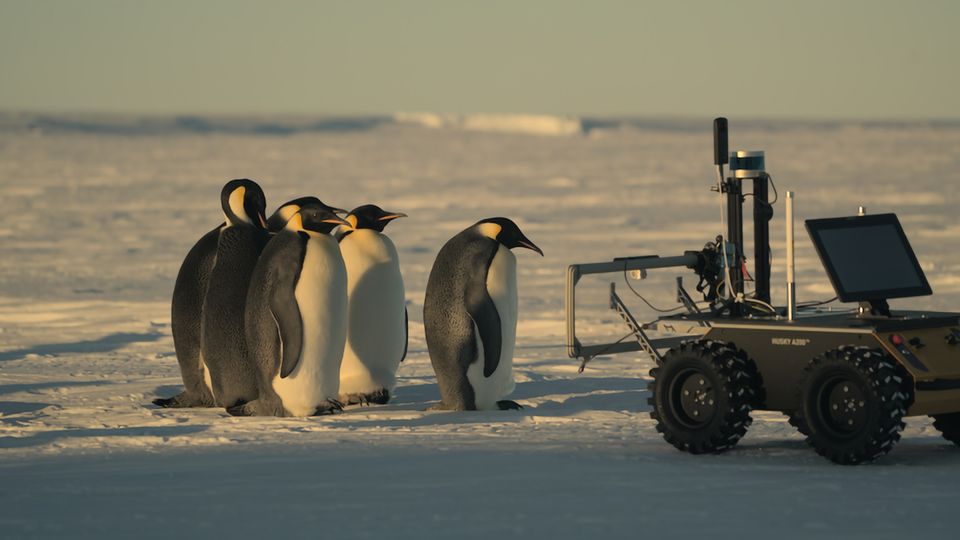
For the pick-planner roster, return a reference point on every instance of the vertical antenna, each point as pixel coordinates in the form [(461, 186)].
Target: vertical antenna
[(791, 278), (720, 154), (720, 157), (720, 146)]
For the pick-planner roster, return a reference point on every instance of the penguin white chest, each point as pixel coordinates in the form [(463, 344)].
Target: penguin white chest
[(502, 288), (376, 334), (321, 293)]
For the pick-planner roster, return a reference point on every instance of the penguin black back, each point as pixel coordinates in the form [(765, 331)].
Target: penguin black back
[(472, 278), (457, 286), (271, 311), (185, 322), (238, 248)]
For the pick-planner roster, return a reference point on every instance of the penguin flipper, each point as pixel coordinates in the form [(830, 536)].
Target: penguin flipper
[(484, 314), (406, 333), (286, 315)]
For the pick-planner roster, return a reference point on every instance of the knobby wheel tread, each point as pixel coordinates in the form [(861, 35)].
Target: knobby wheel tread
[(796, 420), (740, 390), (891, 392), (949, 426)]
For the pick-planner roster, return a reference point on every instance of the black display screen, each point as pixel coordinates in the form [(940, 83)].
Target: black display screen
[(868, 257)]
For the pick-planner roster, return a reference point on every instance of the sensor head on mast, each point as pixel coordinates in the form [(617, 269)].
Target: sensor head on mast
[(719, 141), (747, 164)]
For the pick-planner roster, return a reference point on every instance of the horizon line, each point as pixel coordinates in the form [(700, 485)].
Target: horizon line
[(671, 117)]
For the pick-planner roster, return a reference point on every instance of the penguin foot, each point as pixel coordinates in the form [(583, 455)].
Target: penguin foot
[(330, 406), (167, 403), (507, 405), (240, 409), (353, 399), (183, 400), (441, 406), (379, 397), (258, 407)]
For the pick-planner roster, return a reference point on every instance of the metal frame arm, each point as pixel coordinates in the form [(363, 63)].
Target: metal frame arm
[(575, 349)]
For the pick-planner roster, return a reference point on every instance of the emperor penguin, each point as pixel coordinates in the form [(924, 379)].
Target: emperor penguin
[(187, 305), (376, 308), (222, 342), (296, 319), (470, 315)]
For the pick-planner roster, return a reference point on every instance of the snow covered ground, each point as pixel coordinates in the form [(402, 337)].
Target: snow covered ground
[(95, 223)]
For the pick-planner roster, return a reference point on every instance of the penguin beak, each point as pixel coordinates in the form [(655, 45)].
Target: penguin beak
[(338, 211), (337, 220), (530, 245), (392, 216), (263, 221)]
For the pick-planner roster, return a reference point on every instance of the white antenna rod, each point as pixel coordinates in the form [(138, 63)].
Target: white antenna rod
[(791, 283)]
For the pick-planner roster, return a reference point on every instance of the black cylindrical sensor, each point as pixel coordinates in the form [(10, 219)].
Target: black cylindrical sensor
[(719, 141)]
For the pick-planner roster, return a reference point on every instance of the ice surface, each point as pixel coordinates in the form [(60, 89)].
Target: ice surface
[(94, 226)]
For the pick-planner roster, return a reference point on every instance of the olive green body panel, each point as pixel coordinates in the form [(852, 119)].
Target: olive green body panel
[(926, 351), (781, 355), (934, 364)]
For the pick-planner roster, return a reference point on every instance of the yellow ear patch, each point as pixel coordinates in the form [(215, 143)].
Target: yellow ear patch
[(353, 221), (490, 230), (236, 204), (288, 211), (295, 223)]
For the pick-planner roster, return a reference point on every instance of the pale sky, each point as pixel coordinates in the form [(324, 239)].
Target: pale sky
[(878, 59)]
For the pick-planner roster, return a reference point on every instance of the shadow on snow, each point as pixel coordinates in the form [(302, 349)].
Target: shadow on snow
[(108, 343), (47, 437)]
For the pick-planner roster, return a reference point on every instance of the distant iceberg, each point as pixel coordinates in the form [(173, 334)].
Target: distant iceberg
[(532, 124)]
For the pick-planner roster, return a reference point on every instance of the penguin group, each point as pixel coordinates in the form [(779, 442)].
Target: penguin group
[(304, 312)]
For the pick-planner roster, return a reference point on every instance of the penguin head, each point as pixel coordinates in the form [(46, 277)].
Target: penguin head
[(506, 232), (371, 216), (314, 221), (289, 208), (243, 203)]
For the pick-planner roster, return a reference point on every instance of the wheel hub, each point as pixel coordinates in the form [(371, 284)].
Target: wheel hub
[(843, 406), (694, 399)]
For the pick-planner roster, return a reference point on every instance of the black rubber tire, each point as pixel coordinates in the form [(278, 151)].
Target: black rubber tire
[(731, 387), (948, 425), (797, 421), (852, 403)]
